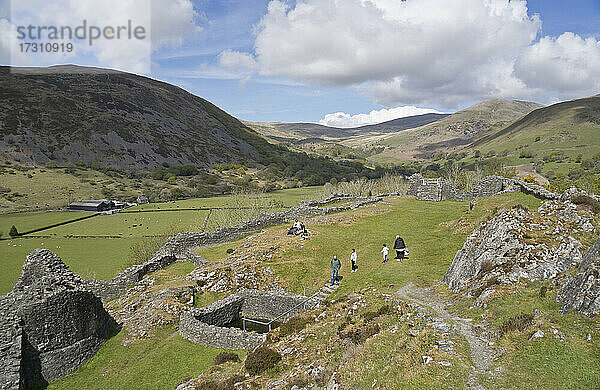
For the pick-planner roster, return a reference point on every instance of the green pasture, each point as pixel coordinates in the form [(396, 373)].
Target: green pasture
[(159, 362), (96, 255)]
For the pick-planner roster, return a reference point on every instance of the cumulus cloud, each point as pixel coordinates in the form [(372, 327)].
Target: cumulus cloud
[(165, 23), (433, 52), (566, 63), (344, 120)]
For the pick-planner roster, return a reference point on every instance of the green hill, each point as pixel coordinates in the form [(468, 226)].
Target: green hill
[(451, 133), (571, 127)]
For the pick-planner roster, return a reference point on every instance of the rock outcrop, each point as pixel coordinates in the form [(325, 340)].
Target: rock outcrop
[(50, 325), (519, 244), (582, 293)]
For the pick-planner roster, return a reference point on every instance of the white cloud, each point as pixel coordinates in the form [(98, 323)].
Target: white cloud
[(343, 120), (235, 60), (432, 52), (567, 63), (165, 23)]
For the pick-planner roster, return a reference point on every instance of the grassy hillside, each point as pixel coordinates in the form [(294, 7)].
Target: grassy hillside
[(449, 133), (302, 131), (572, 128), (393, 359), (75, 116)]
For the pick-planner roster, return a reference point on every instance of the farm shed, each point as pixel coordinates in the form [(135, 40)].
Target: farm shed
[(92, 205)]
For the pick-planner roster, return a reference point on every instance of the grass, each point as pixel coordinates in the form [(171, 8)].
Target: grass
[(427, 228), (98, 258), (159, 362), (103, 258), (29, 221)]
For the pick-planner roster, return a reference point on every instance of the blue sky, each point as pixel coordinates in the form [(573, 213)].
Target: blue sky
[(329, 60)]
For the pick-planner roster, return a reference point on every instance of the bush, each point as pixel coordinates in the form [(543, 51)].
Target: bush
[(359, 333), (385, 309), (519, 322), (261, 360), (294, 325), (13, 231), (585, 200), (225, 357)]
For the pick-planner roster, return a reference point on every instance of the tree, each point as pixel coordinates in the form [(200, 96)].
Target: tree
[(13, 231)]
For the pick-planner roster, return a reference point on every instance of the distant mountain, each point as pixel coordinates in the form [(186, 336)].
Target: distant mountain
[(70, 114), (98, 117), (572, 126), (303, 131), (450, 133), (399, 124)]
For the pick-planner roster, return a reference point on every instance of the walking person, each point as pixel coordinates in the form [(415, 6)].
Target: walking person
[(335, 267), (399, 246), (385, 252), (354, 260)]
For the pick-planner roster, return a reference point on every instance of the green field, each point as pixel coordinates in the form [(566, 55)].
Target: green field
[(159, 362), (95, 255)]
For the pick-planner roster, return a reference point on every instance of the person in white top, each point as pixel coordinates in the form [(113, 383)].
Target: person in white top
[(354, 260), (385, 252)]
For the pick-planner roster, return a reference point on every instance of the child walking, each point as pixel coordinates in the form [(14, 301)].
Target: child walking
[(354, 260), (385, 252)]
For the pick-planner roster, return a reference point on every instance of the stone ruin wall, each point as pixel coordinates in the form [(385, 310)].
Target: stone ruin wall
[(50, 324), (207, 326), (439, 189)]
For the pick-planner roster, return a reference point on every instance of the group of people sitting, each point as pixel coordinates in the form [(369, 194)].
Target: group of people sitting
[(297, 229), (401, 254)]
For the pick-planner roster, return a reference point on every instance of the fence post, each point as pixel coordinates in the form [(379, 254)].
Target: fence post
[(244, 324)]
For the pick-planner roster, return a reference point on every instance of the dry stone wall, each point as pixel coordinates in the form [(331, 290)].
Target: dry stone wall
[(208, 325), (441, 189), (50, 325)]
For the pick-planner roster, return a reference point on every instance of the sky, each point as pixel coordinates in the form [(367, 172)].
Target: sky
[(341, 63)]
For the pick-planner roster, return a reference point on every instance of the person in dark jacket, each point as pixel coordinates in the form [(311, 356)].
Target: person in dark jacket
[(399, 246), (335, 267)]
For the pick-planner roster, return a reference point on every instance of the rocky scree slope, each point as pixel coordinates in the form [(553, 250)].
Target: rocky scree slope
[(71, 114)]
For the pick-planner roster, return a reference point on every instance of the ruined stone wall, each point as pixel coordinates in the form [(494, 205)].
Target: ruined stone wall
[(206, 326), (10, 347), (441, 189), (50, 324), (215, 336), (269, 305), (112, 288)]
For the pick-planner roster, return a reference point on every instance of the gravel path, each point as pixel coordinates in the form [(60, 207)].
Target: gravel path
[(481, 353)]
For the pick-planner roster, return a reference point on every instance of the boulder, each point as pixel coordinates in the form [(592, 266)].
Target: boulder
[(582, 293), (517, 245)]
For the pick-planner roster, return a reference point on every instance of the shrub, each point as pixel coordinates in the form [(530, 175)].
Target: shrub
[(261, 360), (13, 231), (225, 357), (294, 325), (543, 291), (385, 309), (519, 322), (359, 333), (588, 201)]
